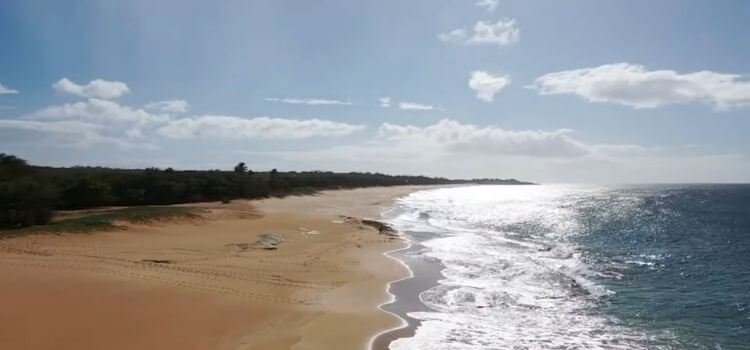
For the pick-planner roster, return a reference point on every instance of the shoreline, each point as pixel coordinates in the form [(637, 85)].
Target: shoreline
[(321, 288), (406, 293), (375, 343)]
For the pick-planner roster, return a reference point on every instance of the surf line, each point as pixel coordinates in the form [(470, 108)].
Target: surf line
[(392, 297)]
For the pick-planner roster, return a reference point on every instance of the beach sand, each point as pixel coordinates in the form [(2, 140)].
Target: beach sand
[(201, 284)]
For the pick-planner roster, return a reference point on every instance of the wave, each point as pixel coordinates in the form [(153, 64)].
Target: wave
[(511, 276)]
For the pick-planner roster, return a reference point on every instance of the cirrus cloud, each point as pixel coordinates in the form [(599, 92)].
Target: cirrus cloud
[(96, 88), (309, 101), (634, 86)]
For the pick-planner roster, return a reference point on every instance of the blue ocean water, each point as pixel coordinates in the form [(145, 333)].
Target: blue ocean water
[(582, 267)]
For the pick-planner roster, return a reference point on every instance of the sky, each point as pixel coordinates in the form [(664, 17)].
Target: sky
[(549, 91)]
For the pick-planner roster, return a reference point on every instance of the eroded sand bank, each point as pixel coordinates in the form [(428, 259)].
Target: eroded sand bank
[(206, 284)]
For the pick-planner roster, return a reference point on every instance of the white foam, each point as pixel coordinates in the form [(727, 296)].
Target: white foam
[(505, 287), (391, 297)]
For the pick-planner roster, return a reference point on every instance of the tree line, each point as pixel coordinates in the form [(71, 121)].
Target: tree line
[(30, 194)]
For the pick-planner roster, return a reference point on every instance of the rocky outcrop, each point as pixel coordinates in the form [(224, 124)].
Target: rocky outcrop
[(382, 227)]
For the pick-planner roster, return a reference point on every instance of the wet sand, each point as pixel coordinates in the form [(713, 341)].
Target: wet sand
[(425, 275), (205, 284)]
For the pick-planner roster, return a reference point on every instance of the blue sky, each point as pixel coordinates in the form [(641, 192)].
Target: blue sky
[(580, 91)]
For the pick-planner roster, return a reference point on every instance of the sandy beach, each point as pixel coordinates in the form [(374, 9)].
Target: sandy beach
[(208, 283)]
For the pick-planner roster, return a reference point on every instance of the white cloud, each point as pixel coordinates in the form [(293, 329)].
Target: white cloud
[(385, 102), (454, 36), (5, 90), (489, 5), (98, 111), (487, 84), (413, 106), (452, 148), (634, 86), (96, 88), (169, 106), (71, 133), (216, 126), (309, 101), (98, 121), (502, 33), (452, 136), (88, 123)]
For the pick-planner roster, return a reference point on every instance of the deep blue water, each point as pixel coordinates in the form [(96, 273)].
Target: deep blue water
[(677, 258), (582, 267)]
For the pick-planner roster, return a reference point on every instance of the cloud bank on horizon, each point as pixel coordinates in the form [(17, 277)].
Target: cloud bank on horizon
[(384, 95)]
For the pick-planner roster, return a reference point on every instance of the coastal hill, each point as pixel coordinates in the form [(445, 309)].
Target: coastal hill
[(29, 194)]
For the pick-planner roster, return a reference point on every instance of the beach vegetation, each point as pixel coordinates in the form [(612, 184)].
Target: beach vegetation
[(30, 194), (240, 168), (106, 220)]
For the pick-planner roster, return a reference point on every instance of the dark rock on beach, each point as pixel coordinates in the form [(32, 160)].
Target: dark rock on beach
[(382, 227)]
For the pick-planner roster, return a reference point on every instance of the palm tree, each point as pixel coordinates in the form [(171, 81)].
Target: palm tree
[(240, 168)]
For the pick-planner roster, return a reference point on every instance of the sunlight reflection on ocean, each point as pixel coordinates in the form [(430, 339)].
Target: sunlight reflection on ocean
[(518, 274)]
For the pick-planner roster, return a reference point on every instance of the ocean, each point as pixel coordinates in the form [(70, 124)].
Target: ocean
[(575, 267)]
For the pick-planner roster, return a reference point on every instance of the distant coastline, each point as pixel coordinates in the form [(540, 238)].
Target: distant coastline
[(30, 194)]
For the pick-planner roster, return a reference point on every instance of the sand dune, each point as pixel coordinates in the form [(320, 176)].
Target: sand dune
[(211, 283)]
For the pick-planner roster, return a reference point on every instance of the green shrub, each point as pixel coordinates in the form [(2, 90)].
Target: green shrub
[(25, 203)]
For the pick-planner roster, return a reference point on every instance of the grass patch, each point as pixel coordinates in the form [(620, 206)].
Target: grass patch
[(298, 191), (105, 221)]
